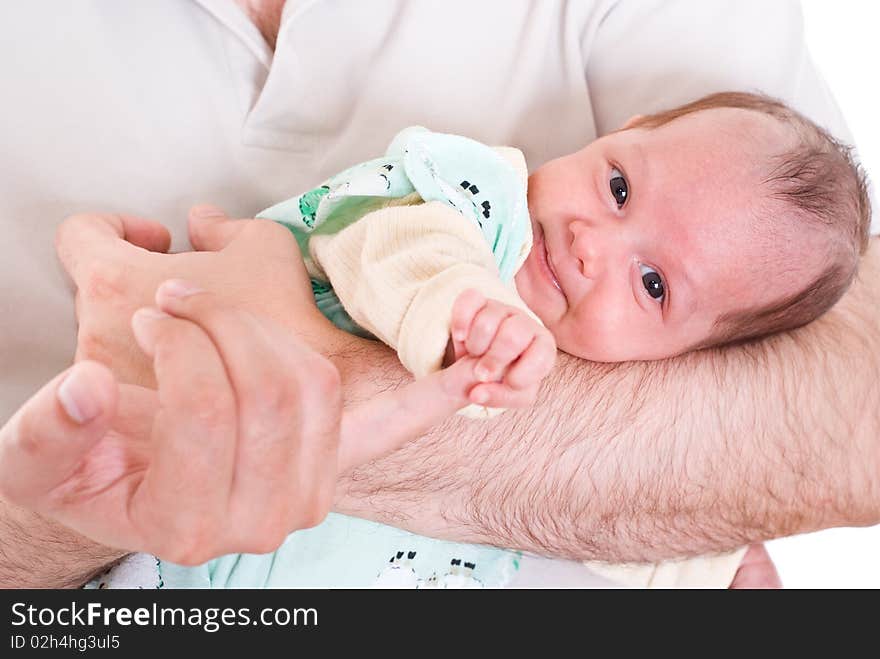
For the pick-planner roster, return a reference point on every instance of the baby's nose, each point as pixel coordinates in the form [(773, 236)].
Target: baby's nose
[(586, 248)]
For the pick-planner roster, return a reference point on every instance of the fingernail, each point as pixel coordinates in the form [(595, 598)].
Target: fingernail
[(482, 373), (479, 397), (178, 288), (75, 396), (142, 323), (207, 210)]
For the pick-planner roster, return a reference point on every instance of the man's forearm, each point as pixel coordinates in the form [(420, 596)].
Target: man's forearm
[(646, 461), (38, 553)]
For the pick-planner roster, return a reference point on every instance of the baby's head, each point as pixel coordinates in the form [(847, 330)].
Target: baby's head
[(723, 220)]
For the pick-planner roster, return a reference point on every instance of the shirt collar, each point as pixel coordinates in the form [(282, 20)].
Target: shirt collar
[(229, 14)]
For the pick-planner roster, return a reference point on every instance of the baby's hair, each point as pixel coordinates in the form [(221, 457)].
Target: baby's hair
[(819, 180)]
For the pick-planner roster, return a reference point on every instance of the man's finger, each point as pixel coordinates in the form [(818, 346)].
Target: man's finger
[(81, 236), (288, 431), (42, 445), (390, 420), (195, 428), (210, 229)]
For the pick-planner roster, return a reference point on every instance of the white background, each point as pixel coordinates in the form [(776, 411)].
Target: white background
[(844, 38)]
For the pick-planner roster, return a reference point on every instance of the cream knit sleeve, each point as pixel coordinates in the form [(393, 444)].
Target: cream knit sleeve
[(398, 271)]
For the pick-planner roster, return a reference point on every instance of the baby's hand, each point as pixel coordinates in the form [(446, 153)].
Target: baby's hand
[(515, 351)]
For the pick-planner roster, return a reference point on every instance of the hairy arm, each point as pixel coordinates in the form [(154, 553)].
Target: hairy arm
[(55, 556), (646, 461)]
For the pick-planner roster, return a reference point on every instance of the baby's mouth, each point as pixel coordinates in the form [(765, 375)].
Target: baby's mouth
[(546, 261)]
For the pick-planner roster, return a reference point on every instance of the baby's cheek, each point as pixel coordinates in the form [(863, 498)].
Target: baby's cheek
[(585, 337), (606, 336)]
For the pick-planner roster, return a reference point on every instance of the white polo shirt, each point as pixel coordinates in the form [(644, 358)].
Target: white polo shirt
[(150, 107)]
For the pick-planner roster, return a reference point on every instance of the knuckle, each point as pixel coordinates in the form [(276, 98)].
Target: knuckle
[(199, 538), (28, 438), (209, 406), (484, 325), (471, 295), (103, 282), (187, 556), (524, 327), (188, 547), (263, 544), (491, 362), (313, 514), (71, 224), (91, 345), (261, 536), (509, 339), (268, 399), (321, 377), (266, 230), (199, 231), (269, 537), (468, 303)]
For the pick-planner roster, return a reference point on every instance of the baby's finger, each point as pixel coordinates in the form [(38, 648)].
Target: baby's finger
[(497, 394), (484, 327), (533, 364), (463, 311), (513, 337)]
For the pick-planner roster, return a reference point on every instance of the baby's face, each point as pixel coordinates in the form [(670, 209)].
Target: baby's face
[(647, 236)]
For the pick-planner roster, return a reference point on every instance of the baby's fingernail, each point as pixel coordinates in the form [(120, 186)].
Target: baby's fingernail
[(458, 336), (75, 396), (178, 288), (482, 373), (480, 397)]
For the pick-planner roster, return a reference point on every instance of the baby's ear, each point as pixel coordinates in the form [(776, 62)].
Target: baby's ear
[(632, 121)]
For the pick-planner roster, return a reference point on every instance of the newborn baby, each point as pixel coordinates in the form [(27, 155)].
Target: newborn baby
[(727, 219)]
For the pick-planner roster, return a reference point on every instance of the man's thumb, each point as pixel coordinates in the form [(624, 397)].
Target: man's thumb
[(44, 442), (211, 229)]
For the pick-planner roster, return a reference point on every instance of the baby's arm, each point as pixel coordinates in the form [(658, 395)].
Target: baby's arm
[(515, 351), (399, 272)]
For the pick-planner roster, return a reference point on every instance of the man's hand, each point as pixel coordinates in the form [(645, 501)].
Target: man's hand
[(241, 444), (116, 263), (515, 352)]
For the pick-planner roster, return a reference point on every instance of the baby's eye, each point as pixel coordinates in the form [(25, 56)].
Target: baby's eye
[(619, 187), (652, 282)]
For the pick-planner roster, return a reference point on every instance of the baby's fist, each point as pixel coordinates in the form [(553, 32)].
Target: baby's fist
[(515, 351)]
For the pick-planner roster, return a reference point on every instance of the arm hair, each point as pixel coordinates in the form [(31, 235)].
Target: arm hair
[(651, 460)]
